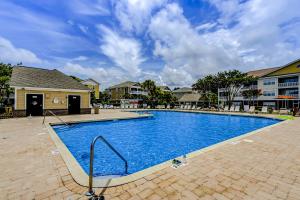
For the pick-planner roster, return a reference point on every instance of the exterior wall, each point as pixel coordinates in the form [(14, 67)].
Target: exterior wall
[(262, 100), (95, 88), (117, 93), (60, 108), (291, 69), (265, 88)]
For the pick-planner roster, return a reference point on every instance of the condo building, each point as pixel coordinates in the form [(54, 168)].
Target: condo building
[(126, 90), (279, 87)]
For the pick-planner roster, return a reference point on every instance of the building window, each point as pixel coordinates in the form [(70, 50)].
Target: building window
[(269, 93), (269, 82)]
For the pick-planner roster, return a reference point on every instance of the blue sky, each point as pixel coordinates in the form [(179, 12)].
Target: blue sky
[(171, 42)]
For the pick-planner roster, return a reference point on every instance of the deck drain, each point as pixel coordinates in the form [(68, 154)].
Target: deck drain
[(249, 141)]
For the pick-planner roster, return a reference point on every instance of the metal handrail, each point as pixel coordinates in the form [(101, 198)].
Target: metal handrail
[(90, 192), (49, 111)]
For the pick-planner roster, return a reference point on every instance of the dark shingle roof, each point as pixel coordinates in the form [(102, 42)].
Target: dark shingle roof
[(43, 78), (194, 97), (262, 72), (183, 90)]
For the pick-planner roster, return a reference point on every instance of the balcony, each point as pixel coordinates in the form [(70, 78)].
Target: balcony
[(138, 92), (289, 84), (251, 87), (288, 96)]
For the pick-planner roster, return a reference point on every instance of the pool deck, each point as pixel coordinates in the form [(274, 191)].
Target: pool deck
[(264, 165)]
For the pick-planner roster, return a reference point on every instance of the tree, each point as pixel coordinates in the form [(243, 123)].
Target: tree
[(5, 74), (231, 83), (165, 97), (93, 98), (76, 78), (251, 94), (150, 87), (104, 97), (127, 96), (208, 87)]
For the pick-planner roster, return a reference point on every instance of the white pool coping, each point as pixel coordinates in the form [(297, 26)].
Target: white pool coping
[(81, 177)]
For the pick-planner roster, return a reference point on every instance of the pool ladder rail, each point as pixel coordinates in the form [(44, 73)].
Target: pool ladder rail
[(91, 192), (49, 111)]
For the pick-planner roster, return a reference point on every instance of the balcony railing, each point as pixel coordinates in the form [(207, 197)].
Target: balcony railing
[(138, 92), (252, 87), (290, 84)]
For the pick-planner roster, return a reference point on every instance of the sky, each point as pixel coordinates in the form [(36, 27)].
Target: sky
[(172, 42)]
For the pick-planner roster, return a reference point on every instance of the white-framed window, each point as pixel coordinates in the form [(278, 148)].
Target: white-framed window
[(269, 81), (269, 93)]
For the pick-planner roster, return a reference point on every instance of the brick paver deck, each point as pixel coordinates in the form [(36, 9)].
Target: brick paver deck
[(265, 166)]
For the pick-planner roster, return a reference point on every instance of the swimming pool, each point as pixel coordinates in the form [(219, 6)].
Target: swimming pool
[(147, 142)]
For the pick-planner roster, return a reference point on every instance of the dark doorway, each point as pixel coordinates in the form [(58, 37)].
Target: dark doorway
[(74, 104), (34, 104)]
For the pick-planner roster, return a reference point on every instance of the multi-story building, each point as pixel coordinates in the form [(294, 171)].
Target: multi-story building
[(93, 85), (122, 90), (279, 87)]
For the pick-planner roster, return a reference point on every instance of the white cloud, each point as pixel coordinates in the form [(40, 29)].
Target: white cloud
[(250, 34), (80, 58), (206, 26), (107, 76), (229, 9), (11, 54), (262, 39), (39, 31), (176, 77), (83, 28), (124, 52), (134, 15), (246, 35), (183, 49), (96, 7)]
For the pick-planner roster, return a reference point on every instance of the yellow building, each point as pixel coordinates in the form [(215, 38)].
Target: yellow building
[(38, 90), (93, 85), (120, 91)]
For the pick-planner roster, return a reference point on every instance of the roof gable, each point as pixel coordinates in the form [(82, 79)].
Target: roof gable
[(290, 68), (43, 78), (90, 82), (125, 84)]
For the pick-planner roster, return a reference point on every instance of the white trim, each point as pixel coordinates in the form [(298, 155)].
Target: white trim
[(281, 76), (90, 105), (15, 100), (34, 93), (49, 89)]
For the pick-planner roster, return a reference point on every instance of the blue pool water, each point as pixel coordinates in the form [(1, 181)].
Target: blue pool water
[(150, 141)]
